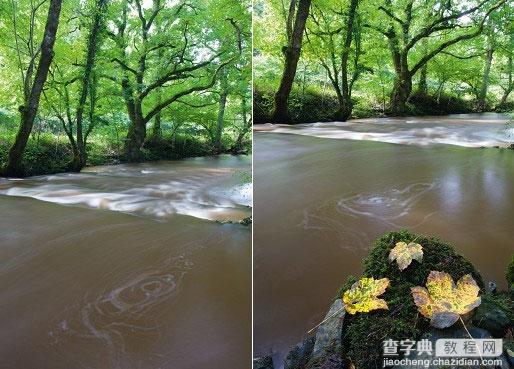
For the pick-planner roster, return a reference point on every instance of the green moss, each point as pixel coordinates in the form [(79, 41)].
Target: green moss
[(346, 285), (495, 314), (364, 333), (510, 272)]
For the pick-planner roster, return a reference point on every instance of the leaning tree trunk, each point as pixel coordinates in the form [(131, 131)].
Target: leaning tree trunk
[(505, 96), (292, 55), (29, 110)]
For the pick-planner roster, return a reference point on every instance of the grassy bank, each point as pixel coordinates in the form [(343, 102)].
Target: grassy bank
[(49, 150), (312, 104)]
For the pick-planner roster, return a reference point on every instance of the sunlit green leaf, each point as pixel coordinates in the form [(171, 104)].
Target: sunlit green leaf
[(443, 301), (362, 296)]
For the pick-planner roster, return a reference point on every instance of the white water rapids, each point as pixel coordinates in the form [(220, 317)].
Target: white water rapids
[(468, 130), (201, 188)]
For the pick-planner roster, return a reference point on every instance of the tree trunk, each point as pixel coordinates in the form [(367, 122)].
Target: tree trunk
[(157, 129), (219, 121), (92, 47), (422, 83), (292, 55), (401, 92), (136, 135), (510, 85), (29, 111), (505, 96), (247, 125), (345, 109), (482, 97), (345, 101), (221, 111), (402, 87)]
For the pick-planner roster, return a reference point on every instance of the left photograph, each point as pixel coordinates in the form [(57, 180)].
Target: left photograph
[(125, 184)]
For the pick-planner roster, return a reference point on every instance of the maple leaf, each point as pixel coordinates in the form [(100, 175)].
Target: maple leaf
[(362, 296), (404, 253), (442, 301)]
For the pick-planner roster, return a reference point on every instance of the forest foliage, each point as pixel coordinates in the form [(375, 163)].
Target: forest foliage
[(127, 80), (369, 58)]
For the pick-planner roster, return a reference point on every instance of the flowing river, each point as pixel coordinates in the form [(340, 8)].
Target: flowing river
[(125, 267), (324, 192)]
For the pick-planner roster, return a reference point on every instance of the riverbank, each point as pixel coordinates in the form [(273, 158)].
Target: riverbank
[(348, 339), (311, 105), (49, 150), (51, 154)]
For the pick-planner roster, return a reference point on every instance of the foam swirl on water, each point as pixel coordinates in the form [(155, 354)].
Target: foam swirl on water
[(386, 206), (131, 305)]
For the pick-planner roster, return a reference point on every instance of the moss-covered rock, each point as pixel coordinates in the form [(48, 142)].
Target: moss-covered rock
[(495, 314), (364, 333)]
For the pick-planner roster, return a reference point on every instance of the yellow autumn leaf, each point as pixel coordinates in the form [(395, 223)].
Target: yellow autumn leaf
[(404, 253), (362, 296), (443, 301)]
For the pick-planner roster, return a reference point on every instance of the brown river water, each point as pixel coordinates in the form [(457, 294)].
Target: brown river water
[(324, 192), (123, 267)]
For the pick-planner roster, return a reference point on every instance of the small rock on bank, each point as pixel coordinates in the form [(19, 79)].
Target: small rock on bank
[(299, 356), (326, 353)]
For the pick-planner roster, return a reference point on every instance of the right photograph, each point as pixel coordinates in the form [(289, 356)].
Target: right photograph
[(383, 184)]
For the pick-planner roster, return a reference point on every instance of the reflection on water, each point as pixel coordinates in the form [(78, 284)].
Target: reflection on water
[(85, 288), (469, 130), (320, 203)]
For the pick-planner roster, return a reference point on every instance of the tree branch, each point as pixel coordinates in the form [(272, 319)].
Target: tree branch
[(175, 74), (443, 22), (124, 66), (391, 15), (455, 40), (178, 95)]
